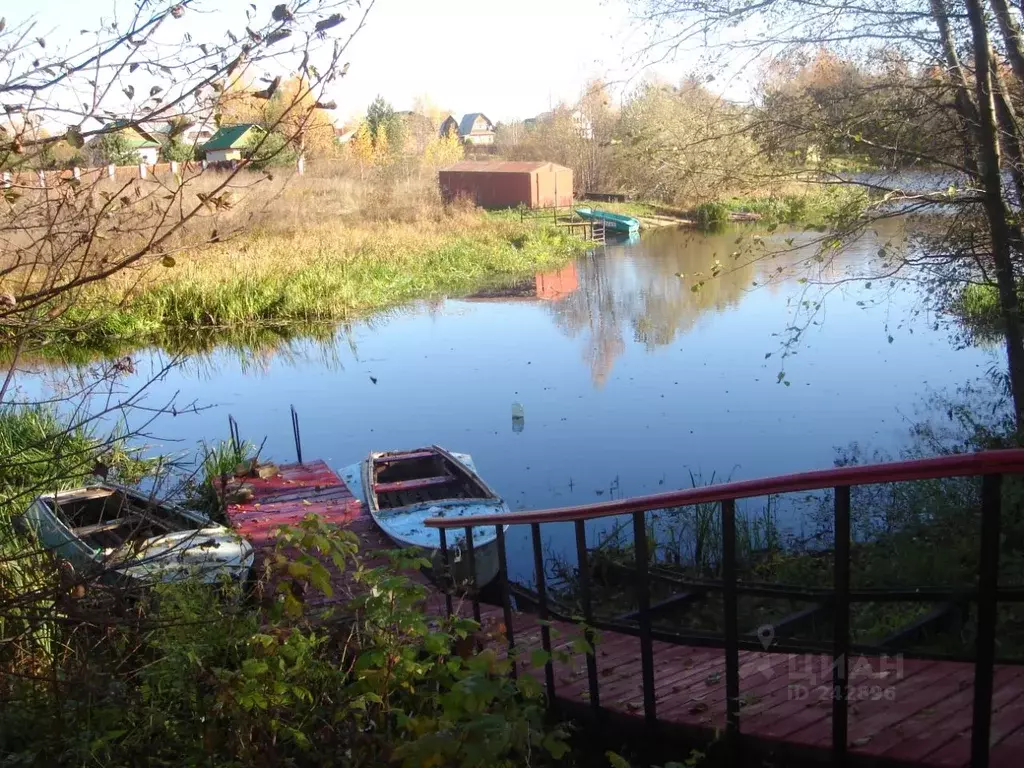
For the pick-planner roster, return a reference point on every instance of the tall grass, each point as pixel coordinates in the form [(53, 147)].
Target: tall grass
[(40, 452), (317, 251), (219, 463)]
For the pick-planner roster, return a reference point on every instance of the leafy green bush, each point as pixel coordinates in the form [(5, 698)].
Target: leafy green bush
[(712, 214), (178, 151), (194, 676), (272, 151), (116, 149)]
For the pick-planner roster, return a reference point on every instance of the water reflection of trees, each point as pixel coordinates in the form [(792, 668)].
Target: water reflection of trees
[(659, 288)]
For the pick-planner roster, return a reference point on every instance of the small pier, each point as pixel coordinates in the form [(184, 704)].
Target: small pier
[(566, 218), (895, 711)]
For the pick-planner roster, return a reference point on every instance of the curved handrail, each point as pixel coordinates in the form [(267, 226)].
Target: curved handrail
[(1010, 460)]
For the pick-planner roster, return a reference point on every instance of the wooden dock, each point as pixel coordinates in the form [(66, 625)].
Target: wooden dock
[(901, 711)]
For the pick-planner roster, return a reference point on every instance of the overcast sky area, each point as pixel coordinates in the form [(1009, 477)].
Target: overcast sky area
[(510, 60)]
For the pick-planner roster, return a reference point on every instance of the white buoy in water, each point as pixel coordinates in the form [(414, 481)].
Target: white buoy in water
[(518, 417)]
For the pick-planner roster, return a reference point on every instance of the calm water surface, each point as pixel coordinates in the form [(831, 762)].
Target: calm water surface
[(629, 379)]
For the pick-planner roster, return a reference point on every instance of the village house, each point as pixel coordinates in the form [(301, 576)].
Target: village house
[(584, 127), (475, 128), (229, 142), (194, 134), (345, 133), (139, 139)]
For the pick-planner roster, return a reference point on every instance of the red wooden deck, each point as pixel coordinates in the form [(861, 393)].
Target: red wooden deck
[(911, 711)]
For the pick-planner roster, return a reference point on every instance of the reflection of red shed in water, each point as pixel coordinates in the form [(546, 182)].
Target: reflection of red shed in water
[(555, 285), (503, 184)]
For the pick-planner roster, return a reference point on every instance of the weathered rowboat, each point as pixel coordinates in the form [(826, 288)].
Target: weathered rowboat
[(613, 222), (118, 533), (401, 489)]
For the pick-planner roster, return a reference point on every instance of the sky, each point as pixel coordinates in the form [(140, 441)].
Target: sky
[(508, 60)]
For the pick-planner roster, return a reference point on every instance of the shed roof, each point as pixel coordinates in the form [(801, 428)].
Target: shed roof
[(229, 137), (503, 166), (466, 126)]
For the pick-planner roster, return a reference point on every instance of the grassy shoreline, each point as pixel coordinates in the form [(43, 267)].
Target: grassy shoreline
[(805, 204), (325, 273)]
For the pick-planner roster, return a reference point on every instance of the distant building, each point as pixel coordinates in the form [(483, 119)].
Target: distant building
[(139, 139), (584, 127), (229, 142), (345, 133), (195, 132), (474, 128), (503, 184), (449, 126)]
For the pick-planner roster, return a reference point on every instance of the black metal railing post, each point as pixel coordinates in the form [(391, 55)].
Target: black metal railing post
[(588, 615), (985, 644), (445, 579), (732, 635), (841, 625), (236, 440), (474, 593), (643, 599), (296, 434), (542, 612), (506, 596)]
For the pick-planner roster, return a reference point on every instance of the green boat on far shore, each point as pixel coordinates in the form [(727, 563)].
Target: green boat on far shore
[(613, 222)]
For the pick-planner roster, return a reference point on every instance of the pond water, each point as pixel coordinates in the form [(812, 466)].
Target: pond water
[(629, 379)]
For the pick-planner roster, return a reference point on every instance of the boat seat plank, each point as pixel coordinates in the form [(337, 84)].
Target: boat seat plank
[(406, 485), (110, 525), (86, 494), (394, 457)]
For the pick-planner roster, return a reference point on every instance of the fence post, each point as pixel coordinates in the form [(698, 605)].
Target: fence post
[(143, 170), (841, 626), (111, 171), (174, 166), (5, 180), (988, 618), (301, 165), (730, 601), (42, 179), (76, 173), (643, 600)]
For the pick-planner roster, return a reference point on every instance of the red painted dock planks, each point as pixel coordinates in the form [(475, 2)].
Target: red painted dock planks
[(927, 722)]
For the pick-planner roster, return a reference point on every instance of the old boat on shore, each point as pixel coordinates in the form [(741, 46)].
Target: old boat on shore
[(117, 533), (613, 222), (401, 489)]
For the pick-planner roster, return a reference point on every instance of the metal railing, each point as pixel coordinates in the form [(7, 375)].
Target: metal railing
[(990, 465)]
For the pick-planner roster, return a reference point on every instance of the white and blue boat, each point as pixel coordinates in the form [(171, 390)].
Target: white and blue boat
[(401, 489)]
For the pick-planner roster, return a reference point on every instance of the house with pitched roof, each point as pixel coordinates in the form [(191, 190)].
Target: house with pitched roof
[(138, 139), (475, 128), (229, 142)]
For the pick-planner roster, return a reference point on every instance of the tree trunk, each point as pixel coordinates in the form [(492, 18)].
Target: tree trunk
[(964, 104), (995, 209)]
